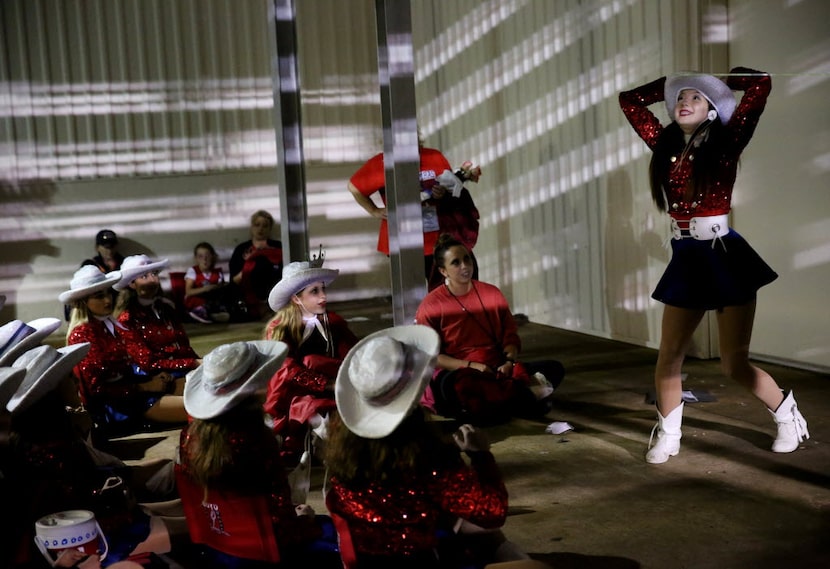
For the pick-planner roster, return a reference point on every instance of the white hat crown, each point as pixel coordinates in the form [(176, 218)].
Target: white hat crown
[(378, 369), (225, 365)]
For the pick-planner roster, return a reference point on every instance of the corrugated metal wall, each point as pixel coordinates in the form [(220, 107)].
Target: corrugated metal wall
[(109, 88), (530, 89), (113, 111)]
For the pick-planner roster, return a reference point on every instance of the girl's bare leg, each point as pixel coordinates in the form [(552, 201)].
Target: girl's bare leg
[(735, 330), (678, 326), (168, 409)]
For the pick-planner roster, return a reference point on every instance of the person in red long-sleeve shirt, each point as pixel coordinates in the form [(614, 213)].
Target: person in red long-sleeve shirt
[(479, 377), (692, 172)]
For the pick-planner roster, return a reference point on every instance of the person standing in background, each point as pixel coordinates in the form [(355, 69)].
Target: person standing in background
[(446, 206)]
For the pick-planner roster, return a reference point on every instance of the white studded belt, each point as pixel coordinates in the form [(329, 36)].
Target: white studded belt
[(711, 227)]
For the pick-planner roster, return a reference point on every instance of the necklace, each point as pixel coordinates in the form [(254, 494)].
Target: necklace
[(490, 329)]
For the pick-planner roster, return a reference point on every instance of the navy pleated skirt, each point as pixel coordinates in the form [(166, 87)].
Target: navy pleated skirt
[(700, 276)]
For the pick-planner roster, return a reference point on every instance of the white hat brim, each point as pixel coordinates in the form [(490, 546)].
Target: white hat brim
[(715, 91), (376, 421), (42, 328), (129, 274), (202, 404), (10, 380), (33, 388), (72, 295), (282, 291)]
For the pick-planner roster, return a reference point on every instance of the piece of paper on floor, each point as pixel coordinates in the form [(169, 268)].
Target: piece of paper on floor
[(558, 427)]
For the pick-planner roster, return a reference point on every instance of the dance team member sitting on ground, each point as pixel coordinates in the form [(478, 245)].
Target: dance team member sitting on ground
[(229, 459), (153, 333), (301, 393), (47, 468), (256, 264), (712, 267), (110, 390), (395, 481), (479, 378), (205, 290)]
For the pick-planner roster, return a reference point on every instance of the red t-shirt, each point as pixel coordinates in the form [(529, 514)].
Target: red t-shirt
[(371, 178)]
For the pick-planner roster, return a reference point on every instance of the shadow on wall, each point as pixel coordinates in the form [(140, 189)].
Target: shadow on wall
[(627, 253), (20, 242)]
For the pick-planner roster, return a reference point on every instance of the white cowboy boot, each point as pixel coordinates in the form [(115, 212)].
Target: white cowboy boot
[(792, 427), (668, 436)]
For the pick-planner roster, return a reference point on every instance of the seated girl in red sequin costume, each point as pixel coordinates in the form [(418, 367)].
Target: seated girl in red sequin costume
[(301, 393), (153, 332), (113, 394), (396, 482)]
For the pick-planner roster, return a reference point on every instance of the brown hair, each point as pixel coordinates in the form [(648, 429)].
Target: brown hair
[(444, 243), (205, 245), (210, 453), (672, 143), (415, 446), (262, 213)]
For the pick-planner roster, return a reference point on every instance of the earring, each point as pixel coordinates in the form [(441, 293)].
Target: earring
[(713, 114)]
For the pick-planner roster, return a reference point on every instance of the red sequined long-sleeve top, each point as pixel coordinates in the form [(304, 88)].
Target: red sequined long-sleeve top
[(401, 516), (156, 339), (717, 200), (105, 373)]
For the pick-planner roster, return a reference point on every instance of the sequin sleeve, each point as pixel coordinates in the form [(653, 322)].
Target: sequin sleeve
[(402, 516), (104, 371), (756, 86), (476, 494), (635, 103), (157, 344)]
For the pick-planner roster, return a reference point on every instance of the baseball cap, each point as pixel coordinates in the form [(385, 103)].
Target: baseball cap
[(106, 237)]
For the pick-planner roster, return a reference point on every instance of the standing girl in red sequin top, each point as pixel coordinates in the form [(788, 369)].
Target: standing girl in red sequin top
[(692, 174)]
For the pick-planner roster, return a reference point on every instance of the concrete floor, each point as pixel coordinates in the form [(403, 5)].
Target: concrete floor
[(587, 499)]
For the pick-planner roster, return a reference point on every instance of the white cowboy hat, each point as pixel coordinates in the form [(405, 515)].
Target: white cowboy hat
[(87, 281), (715, 91), (229, 374), (16, 337), (45, 368), (383, 376), (136, 265), (295, 277), (10, 379)]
